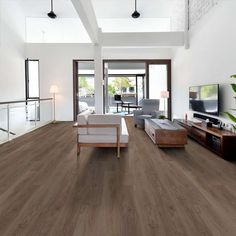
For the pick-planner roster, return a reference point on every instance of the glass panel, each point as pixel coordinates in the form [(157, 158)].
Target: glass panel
[(86, 86), (45, 113), (3, 123), (140, 88), (24, 117), (33, 79), (125, 88), (158, 83)]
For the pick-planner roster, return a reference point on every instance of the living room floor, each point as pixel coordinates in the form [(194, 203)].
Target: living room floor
[(44, 190)]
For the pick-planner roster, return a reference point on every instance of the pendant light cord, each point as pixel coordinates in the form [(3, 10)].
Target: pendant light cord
[(135, 5), (52, 5)]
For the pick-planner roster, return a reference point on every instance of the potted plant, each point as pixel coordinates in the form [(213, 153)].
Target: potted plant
[(161, 117), (231, 116)]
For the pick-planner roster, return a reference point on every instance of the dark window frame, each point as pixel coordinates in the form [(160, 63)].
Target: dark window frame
[(147, 62), (27, 97), (75, 84)]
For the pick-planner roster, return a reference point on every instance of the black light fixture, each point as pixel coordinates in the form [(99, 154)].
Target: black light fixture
[(135, 14), (51, 14)]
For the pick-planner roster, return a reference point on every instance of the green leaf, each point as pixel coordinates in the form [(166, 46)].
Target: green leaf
[(231, 117), (233, 76), (233, 87)]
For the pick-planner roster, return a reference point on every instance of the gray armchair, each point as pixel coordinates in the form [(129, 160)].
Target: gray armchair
[(150, 109)]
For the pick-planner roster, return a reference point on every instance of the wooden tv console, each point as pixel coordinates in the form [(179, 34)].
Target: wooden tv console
[(222, 142)]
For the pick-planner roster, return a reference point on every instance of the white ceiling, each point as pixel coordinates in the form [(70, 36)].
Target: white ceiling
[(102, 8), (66, 28), (112, 16), (124, 8), (156, 15), (40, 8)]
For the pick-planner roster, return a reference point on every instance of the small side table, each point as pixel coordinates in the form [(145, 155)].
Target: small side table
[(117, 105), (130, 105)]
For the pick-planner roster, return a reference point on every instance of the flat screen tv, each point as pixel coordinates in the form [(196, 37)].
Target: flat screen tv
[(204, 99)]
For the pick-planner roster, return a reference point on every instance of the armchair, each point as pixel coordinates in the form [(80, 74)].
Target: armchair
[(150, 109)]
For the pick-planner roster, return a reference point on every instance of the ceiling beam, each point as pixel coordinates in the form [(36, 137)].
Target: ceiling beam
[(161, 39), (86, 13)]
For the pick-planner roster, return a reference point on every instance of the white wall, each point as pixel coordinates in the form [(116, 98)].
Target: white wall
[(210, 59), (12, 32), (137, 53), (56, 68)]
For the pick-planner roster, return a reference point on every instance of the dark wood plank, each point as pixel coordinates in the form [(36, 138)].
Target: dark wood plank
[(44, 190)]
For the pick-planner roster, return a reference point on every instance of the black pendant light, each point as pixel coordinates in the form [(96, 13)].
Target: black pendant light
[(51, 14), (135, 14)]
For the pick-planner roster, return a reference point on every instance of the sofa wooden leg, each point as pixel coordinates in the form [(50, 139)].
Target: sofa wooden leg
[(118, 152), (78, 150), (78, 153)]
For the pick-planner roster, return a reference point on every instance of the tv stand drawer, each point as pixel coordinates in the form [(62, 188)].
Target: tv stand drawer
[(198, 134)]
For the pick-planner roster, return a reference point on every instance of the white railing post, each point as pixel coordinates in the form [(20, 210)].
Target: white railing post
[(35, 113), (8, 122)]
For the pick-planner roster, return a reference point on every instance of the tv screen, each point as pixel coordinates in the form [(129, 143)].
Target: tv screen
[(204, 99)]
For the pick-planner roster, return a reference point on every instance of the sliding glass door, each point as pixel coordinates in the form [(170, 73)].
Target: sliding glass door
[(140, 89), (135, 80), (123, 86), (84, 86), (86, 89), (159, 86)]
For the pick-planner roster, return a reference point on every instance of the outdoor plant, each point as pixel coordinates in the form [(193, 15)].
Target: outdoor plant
[(118, 84), (162, 117), (231, 116)]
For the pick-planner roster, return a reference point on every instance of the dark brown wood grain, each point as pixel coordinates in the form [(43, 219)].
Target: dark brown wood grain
[(222, 142), (171, 138), (45, 190)]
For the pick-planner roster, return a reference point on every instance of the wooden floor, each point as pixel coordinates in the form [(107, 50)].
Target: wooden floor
[(149, 191)]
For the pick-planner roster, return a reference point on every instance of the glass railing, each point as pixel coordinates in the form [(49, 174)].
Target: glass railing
[(20, 117)]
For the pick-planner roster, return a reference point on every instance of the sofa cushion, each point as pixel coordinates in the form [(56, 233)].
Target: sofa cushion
[(103, 119), (83, 106), (93, 138), (150, 105), (82, 120), (124, 131)]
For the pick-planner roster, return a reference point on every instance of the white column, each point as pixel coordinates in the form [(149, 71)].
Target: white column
[(186, 30), (98, 79)]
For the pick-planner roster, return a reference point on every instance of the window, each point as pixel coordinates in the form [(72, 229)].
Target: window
[(32, 78)]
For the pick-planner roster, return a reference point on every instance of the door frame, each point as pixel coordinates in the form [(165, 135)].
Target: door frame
[(168, 64), (75, 85), (147, 62)]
